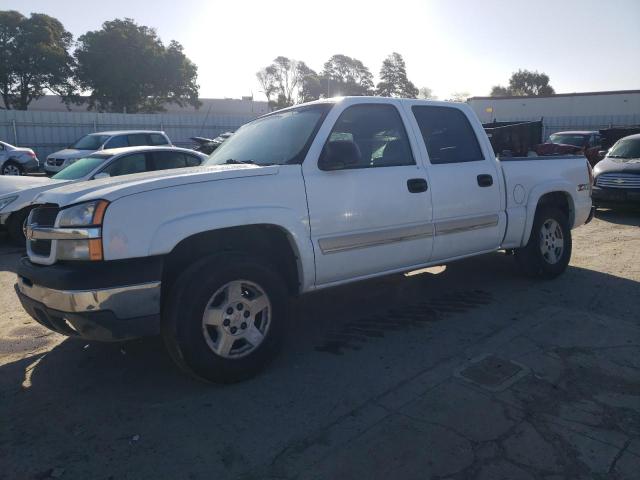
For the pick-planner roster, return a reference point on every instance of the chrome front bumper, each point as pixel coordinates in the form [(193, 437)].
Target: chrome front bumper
[(131, 301)]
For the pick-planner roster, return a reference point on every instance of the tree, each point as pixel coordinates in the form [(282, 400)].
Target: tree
[(310, 84), (525, 83), (393, 78), (459, 97), (425, 93), (34, 58), (267, 80), (343, 75), (127, 68), (289, 81)]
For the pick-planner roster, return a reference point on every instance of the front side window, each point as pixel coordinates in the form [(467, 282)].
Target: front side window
[(134, 163), (81, 168), (376, 132), (90, 142), (447, 134), (277, 139), (118, 141), (157, 139)]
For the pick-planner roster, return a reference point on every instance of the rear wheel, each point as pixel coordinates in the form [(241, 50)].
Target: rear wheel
[(548, 251), (225, 317), (11, 168)]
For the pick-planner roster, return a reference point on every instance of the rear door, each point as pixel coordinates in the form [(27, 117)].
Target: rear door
[(374, 215), (465, 183)]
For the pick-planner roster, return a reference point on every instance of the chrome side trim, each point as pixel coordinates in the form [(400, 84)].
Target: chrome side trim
[(125, 302), (51, 233), (375, 238), (466, 224)]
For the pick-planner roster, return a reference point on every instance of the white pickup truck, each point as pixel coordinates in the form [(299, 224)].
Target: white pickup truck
[(312, 196)]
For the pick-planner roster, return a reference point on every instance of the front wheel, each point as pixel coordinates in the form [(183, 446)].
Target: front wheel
[(11, 168), (225, 317), (548, 250)]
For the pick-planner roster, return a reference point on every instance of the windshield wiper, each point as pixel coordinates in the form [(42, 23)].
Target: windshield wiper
[(231, 161)]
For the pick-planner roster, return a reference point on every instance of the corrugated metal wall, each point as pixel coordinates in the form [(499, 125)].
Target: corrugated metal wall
[(47, 132)]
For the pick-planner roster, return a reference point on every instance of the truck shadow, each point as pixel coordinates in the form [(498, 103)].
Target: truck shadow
[(623, 216)]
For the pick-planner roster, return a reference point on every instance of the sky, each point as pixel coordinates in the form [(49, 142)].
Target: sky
[(449, 46)]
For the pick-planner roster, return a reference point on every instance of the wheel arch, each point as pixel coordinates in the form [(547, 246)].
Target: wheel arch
[(557, 196), (267, 240)]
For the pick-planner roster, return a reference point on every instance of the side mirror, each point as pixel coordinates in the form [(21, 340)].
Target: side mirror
[(339, 154), (602, 153), (100, 175)]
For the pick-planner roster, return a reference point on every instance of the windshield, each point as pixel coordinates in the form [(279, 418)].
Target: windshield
[(90, 142), (80, 168), (625, 148), (277, 139), (567, 139)]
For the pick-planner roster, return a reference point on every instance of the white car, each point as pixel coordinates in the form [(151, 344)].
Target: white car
[(103, 141), (313, 196), (18, 193), (17, 160)]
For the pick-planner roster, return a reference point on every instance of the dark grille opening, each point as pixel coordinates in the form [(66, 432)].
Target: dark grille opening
[(43, 216), (41, 247)]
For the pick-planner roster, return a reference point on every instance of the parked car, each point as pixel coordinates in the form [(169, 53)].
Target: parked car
[(208, 145), (587, 143), (17, 194), (617, 176), (17, 160), (103, 141), (313, 196)]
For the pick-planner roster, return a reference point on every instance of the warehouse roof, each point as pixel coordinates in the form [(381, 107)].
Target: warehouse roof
[(577, 94)]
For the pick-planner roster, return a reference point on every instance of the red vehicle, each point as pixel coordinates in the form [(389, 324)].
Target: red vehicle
[(582, 142)]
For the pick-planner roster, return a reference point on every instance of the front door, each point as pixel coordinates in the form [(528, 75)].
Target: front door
[(371, 214)]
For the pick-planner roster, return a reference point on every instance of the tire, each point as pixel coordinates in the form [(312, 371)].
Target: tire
[(15, 226), (548, 251), (211, 285), (11, 167)]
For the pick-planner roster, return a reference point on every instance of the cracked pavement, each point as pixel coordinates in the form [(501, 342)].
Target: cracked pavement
[(371, 383)]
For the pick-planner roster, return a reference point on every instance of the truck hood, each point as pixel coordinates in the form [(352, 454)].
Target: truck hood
[(70, 153), (610, 165), (116, 187), (15, 184)]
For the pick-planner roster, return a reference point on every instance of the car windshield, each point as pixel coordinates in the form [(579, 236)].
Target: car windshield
[(80, 168), (568, 139), (277, 139), (625, 148), (90, 142)]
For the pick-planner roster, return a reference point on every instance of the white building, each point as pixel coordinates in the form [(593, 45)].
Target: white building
[(564, 111)]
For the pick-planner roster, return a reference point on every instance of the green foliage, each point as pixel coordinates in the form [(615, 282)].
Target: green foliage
[(425, 93), (34, 58), (289, 81), (343, 76), (525, 83), (393, 79), (127, 68)]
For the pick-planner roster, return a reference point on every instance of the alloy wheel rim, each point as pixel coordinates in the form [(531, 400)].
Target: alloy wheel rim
[(11, 170), (236, 319), (551, 241)]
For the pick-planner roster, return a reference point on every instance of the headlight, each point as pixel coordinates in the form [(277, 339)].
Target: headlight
[(6, 201), (88, 214), (83, 215)]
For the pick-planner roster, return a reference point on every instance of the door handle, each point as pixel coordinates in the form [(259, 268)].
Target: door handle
[(417, 185), (485, 180)]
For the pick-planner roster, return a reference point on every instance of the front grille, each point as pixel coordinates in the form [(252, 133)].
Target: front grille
[(618, 180), (55, 162), (43, 216)]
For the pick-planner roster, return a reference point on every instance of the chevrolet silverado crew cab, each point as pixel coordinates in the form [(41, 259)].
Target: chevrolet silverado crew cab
[(308, 197)]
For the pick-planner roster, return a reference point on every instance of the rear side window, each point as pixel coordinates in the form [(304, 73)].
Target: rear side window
[(157, 139), (136, 139), (118, 141), (447, 134), (168, 160)]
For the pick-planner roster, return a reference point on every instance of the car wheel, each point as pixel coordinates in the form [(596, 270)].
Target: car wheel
[(548, 251), (12, 168), (16, 226), (225, 317)]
